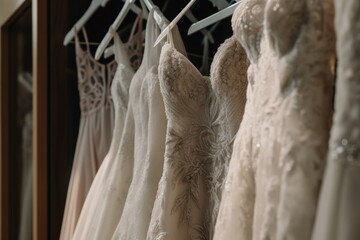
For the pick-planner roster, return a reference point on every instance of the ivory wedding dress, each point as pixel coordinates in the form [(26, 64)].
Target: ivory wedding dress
[(338, 215), (95, 131), (147, 170), (88, 226), (229, 81), (277, 163), (201, 128)]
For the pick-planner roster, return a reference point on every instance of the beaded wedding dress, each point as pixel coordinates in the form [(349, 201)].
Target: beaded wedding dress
[(338, 215), (95, 131), (228, 78), (203, 117), (275, 172)]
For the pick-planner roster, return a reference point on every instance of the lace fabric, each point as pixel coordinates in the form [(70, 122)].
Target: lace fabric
[(229, 81), (203, 117), (183, 196), (278, 157), (94, 79), (88, 226), (95, 131), (338, 215)]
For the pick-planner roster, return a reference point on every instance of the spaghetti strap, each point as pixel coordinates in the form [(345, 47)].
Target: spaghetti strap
[(134, 44), (77, 41), (170, 38), (137, 25), (86, 39)]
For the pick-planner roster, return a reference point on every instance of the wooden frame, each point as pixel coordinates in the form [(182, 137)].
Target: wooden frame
[(40, 104), (40, 118), (5, 119)]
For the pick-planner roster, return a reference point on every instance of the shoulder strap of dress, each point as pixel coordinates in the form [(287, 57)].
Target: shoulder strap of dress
[(137, 26), (169, 38), (117, 43), (77, 41), (86, 39)]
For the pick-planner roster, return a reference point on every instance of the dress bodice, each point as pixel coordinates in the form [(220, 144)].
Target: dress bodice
[(181, 206), (229, 81), (184, 88), (94, 79), (279, 150), (247, 23)]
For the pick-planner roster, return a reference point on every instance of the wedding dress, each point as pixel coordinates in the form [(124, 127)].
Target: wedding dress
[(203, 117), (95, 131), (277, 163), (338, 215), (88, 224), (229, 81), (148, 167)]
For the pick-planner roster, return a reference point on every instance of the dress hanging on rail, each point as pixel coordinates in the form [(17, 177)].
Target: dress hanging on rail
[(95, 131), (277, 164), (203, 118), (95, 221), (229, 82), (338, 215), (148, 166)]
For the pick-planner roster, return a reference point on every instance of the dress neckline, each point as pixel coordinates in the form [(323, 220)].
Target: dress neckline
[(187, 60), (87, 51)]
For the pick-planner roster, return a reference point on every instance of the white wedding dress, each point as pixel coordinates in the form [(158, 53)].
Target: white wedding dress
[(228, 78), (89, 225), (279, 153), (203, 118), (149, 153), (338, 215), (95, 131)]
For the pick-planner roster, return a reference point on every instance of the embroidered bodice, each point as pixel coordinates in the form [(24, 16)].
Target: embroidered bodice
[(182, 193), (94, 79), (229, 82), (203, 116), (280, 148), (338, 215)]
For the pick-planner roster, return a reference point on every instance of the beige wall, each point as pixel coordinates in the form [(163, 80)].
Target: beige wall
[(7, 7)]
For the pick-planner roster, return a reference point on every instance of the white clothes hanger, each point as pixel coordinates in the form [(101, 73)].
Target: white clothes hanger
[(173, 23), (25, 78), (205, 32), (220, 4), (111, 50), (227, 12), (109, 35), (158, 16), (94, 5)]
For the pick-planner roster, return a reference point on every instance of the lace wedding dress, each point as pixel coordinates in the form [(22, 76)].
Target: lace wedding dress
[(88, 226), (203, 117), (338, 215), (229, 81), (277, 163), (95, 131)]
